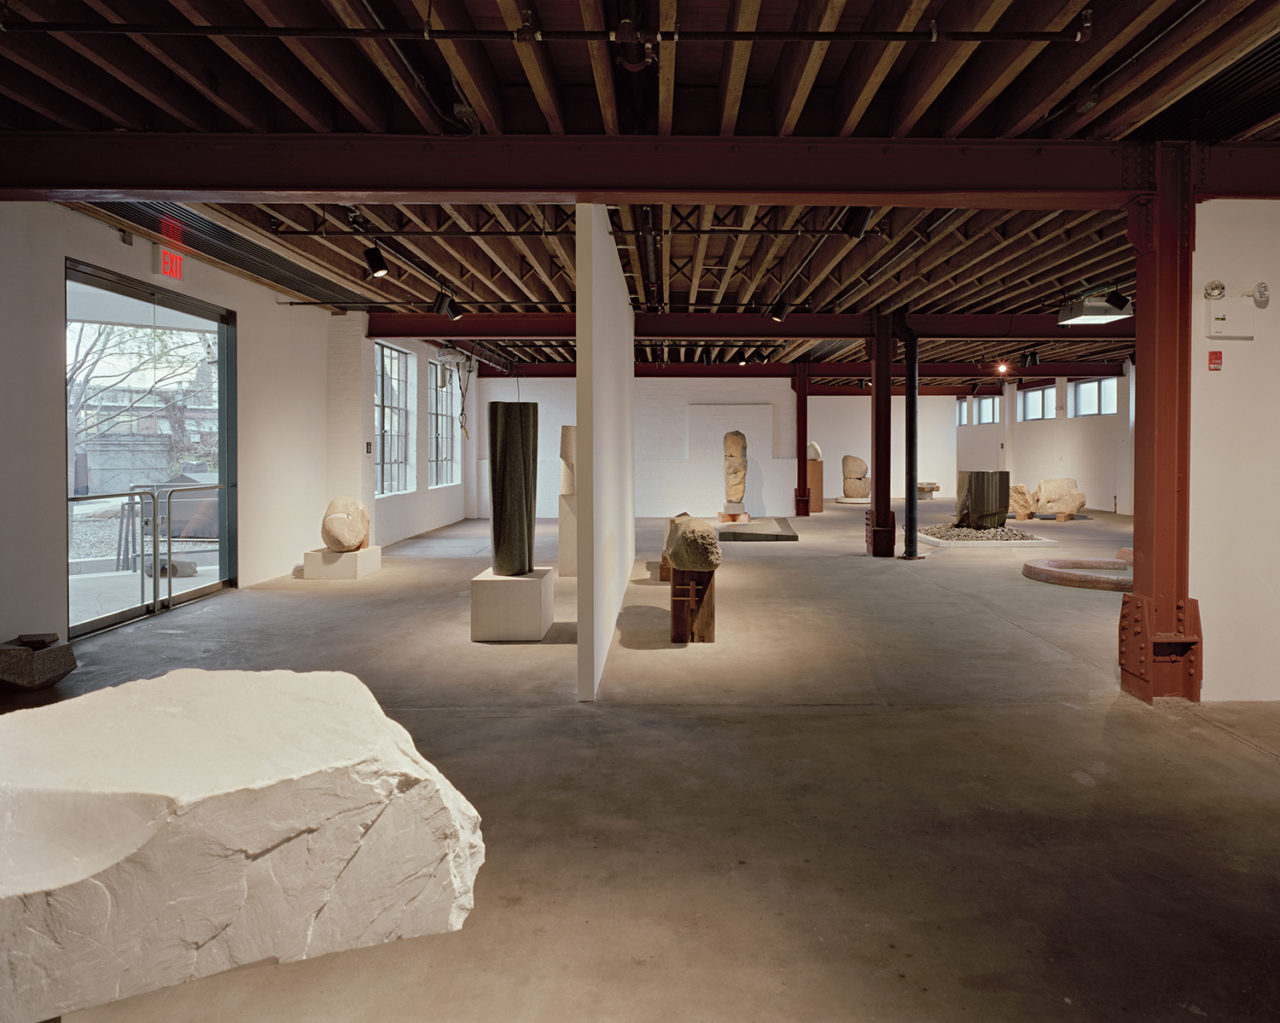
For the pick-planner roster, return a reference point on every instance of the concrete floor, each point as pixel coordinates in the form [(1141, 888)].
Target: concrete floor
[(889, 791)]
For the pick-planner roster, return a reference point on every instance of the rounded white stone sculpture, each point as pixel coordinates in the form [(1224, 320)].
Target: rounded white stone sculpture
[(345, 526), (813, 453), (180, 826), (853, 467)]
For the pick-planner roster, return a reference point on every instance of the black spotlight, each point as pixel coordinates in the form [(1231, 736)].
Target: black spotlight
[(444, 306), (375, 261), (778, 312), (1116, 300)]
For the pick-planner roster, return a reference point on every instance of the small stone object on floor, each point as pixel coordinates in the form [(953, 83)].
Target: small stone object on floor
[(36, 661), (345, 526), (179, 568), (997, 535)]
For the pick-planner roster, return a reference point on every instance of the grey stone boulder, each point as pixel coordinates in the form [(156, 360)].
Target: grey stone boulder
[(692, 545), (36, 661)]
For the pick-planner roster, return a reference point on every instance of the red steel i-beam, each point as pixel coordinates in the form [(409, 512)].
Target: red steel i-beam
[(1160, 641), (880, 525), (801, 384)]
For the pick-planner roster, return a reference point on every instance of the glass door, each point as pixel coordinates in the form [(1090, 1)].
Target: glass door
[(150, 482)]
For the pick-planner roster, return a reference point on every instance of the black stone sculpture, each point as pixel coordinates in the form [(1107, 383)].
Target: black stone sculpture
[(982, 498), (513, 484)]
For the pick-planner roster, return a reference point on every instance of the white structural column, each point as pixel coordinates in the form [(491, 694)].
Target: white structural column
[(606, 445), (350, 419)]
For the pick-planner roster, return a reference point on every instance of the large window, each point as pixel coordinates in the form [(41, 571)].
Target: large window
[(442, 410), (1094, 397), (394, 408), (1037, 403), (987, 409)]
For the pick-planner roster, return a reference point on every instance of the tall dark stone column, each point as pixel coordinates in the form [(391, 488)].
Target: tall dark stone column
[(513, 484)]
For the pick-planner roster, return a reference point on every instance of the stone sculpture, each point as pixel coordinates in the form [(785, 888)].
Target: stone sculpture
[(857, 484), (345, 526), (691, 545), (1059, 497), (36, 661), (1022, 505), (982, 498), (813, 453), (568, 452), (735, 471), (513, 481), (180, 826)]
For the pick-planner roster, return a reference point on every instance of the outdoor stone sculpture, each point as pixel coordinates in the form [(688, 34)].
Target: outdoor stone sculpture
[(856, 482), (513, 481), (692, 545), (735, 470), (345, 526), (176, 827)]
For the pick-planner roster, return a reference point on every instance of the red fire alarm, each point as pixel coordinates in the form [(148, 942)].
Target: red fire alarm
[(1215, 361)]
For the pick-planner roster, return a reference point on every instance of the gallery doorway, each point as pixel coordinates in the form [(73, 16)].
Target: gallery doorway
[(150, 448)]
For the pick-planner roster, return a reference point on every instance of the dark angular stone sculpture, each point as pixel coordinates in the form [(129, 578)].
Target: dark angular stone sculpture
[(513, 483), (982, 498)]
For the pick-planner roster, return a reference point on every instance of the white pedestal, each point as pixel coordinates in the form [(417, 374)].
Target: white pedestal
[(512, 607), (568, 536), (327, 564), (853, 500)]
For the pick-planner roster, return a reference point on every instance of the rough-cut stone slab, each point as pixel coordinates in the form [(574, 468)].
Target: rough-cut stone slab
[(1021, 503), (735, 468), (982, 498), (176, 827), (345, 526), (761, 529), (1057, 497), (36, 661)]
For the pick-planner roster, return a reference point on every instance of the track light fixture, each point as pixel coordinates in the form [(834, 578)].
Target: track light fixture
[(444, 307), (856, 219), (778, 312), (1031, 358), (375, 261), (1095, 308)]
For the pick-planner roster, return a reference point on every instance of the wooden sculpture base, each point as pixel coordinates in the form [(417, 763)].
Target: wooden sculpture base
[(693, 606)]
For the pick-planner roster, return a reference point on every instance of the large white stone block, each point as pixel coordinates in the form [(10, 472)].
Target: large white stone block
[(326, 564), (568, 530), (512, 607), (172, 828)]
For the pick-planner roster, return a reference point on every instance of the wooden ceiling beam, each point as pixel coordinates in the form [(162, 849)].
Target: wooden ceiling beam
[(38, 96), (743, 15), (467, 60), (666, 66), (982, 81), (706, 215), (1185, 70), (269, 62), (868, 65), (391, 64), (733, 253), (536, 255), (943, 244), (333, 64), (221, 82), (800, 62), (536, 62), (768, 252), (889, 244), (502, 251), (556, 243), (601, 64), (469, 275), (630, 242), (935, 65), (124, 62), (1061, 70)]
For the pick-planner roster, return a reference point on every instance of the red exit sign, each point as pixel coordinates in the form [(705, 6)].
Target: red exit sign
[(168, 263)]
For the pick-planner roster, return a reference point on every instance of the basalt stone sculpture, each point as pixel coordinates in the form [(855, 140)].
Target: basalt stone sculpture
[(345, 526), (735, 471), (513, 483), (982, 498), (256, 816)]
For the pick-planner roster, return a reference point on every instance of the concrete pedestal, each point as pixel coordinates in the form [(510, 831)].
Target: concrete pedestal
[(326, 564), (512, 607)]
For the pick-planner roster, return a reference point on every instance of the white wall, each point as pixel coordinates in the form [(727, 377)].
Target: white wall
[(1233, 427), (281, 395), (842, 426), (605, 464), (397, 516)]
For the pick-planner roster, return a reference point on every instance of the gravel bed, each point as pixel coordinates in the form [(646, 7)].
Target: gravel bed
[(1000, 533), (98, 538)]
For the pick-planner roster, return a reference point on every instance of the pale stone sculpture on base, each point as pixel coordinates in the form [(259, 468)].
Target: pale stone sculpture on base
[(176, 827), (857, 485), (813, 452), (1059, 497), (735, 475), (345, 526), (1022, 505), (692, 545)]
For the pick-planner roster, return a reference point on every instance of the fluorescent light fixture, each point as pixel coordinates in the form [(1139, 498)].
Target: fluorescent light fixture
[(375, 261), (1095, 309)]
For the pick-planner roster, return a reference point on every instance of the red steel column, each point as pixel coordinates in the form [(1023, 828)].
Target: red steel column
[(801, 384), (1159, 622), (880, 526)]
